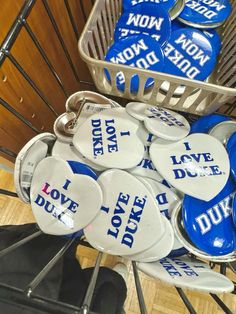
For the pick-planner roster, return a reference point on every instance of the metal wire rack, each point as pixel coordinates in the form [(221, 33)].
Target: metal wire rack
[(34, 124), (27, 297)]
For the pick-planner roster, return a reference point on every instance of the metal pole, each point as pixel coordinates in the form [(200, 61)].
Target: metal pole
[(71, 19), (141, 300), (221, 304), (89, 294), (19, 243), (232, 266), (8, 193), (8, 152), (83, 11), (16, 297), (14, 31), (43, 273), (18, 115), (186, 301), (223, 269), (55, 26), (44, 56), (30, 81)]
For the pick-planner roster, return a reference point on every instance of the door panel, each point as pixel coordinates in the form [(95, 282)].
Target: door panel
[(17, 92), (41, 68)]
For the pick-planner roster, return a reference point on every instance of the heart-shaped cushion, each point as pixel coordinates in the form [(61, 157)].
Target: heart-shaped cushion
[(165, 198), (160, 249), (197, 165), (63, 202), (129, 221), (161, 122), (234, 210), (182, 236), (206, 14), (27, 159), (167, 201), (187, 273), (210, 224), (223, 130), (178, 249), (165, 4), (146, 168), (146, 137), (81, 168), (231, 149), (67, 151), (110, 139), (205, 123), (148, 19)]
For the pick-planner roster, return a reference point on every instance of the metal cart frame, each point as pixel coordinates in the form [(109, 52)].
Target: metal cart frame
[(26, 297)]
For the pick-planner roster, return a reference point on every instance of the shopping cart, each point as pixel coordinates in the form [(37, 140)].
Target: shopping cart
[(26, 297)]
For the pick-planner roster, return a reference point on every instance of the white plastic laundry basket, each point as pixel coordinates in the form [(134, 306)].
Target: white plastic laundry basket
[(198, 97)]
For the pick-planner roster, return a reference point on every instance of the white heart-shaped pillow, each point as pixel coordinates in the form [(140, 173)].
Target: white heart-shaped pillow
[(110, 139), (63, 202), (187, 273), (146, 168), (197, 165), (130, 220), (159, 121)]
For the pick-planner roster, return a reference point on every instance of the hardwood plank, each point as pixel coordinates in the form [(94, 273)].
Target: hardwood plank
[(8, 13), (79, 10), (51, 45), (12, 210), (28, 56), (17, 92), (13, 133), (58, 9), (7, 163), (87, 7)]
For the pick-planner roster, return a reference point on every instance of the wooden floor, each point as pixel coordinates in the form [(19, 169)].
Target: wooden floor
[(160, 298)]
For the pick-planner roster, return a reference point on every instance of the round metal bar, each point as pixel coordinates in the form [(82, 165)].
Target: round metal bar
[(89, 294), (141, 300), (19, 243), (43, 273)]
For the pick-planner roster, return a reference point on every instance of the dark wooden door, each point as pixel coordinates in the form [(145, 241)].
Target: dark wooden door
[(39, 66)]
